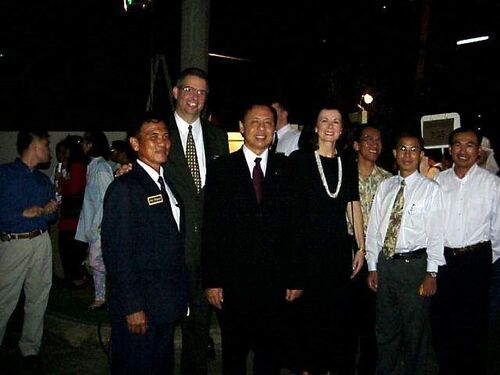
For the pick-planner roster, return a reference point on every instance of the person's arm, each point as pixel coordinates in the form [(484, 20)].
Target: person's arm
[(434, 219), (118, 240), (495, 220), (372, 247), (355, 216), (212, 249), (103, 178)]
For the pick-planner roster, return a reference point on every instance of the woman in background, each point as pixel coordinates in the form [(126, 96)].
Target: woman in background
[(71, 188), (99, 176)]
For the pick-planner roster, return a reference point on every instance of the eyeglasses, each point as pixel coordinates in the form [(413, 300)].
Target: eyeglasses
[(191, 90)]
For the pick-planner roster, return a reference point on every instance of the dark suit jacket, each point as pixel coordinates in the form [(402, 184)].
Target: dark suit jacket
[(143, 250), (246, 247), (177, 171)]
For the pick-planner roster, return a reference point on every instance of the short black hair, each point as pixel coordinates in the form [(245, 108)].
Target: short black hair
[(144, 118), (100, 144), (465, 130), (248, 106), (358, 131), (407, 134), (25, 137)]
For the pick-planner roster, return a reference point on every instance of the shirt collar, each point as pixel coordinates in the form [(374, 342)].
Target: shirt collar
[(250, 156), (470, 172), (184, 125), (409, 179), (150, 171)]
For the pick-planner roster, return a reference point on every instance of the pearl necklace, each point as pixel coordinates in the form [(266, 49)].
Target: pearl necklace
[(323, 178)]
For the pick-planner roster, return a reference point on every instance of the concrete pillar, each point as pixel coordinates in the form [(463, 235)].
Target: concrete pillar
[(195, 33)]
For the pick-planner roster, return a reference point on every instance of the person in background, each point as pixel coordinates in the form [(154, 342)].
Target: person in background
[(368, 146), (486, 157), (99, 176), (324, 183), (431, 164), (249, 270), (142, 242), (121, 153), (71, 188), (28, 207), (472, 243), (286, 138), (404, 242)]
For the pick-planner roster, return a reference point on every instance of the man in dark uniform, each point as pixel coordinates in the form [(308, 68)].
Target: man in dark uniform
[(142, 241)]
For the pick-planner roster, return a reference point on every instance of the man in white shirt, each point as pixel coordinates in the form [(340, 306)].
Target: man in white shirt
[(472, 241), (404, 250), (286, 138)]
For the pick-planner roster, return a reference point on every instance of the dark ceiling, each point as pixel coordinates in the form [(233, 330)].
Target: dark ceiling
[(75, 65)]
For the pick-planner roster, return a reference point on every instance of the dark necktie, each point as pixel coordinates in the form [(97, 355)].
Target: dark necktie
[(391, 235), (163, 190), (274, 145), (192, 159), (257, 179)]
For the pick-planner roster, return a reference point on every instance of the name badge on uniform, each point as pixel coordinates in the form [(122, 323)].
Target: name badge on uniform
[(155, 199)]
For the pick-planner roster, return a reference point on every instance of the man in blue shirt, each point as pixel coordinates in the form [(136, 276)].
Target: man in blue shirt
[(28, 206)]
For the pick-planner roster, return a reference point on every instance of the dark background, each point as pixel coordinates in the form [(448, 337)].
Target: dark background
[(83, 64)]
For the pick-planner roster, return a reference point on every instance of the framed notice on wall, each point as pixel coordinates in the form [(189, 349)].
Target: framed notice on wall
[(435, 129)]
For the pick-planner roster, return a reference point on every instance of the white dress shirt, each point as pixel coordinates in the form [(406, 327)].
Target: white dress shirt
[(183, 128), (472, 205), (250, 158), (421, 223), (174, 205), (288, 139)]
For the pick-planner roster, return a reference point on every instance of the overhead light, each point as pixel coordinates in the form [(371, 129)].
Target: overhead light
[(227, 57), (473, 40)]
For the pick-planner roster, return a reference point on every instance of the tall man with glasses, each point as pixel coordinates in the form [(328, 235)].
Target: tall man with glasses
[(195, 143), (404, 244)]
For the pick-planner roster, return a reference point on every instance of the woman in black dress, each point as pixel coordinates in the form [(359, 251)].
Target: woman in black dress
[(325, 184)]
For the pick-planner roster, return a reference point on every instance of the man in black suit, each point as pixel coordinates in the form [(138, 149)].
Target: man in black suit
[(143, 250), (191, 93), (249, 270)]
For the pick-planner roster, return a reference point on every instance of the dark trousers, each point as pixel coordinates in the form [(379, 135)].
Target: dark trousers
[(133, 354), (195, 330), (364, 327), (460, 312), (402, 316), (245, 331), (73, 253), (494, 322)]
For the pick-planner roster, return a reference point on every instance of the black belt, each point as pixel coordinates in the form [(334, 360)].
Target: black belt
[(22, 236), (416, 254), (467, 249)]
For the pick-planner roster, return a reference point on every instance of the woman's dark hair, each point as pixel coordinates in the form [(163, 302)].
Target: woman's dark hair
[(74, 146), (308, 140), (99, 142)]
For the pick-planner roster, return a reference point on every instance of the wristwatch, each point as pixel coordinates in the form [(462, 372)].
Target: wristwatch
[(432, 274)]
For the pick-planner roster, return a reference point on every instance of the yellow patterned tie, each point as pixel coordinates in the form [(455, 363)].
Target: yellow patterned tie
[(192, 159), (391, 235)]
